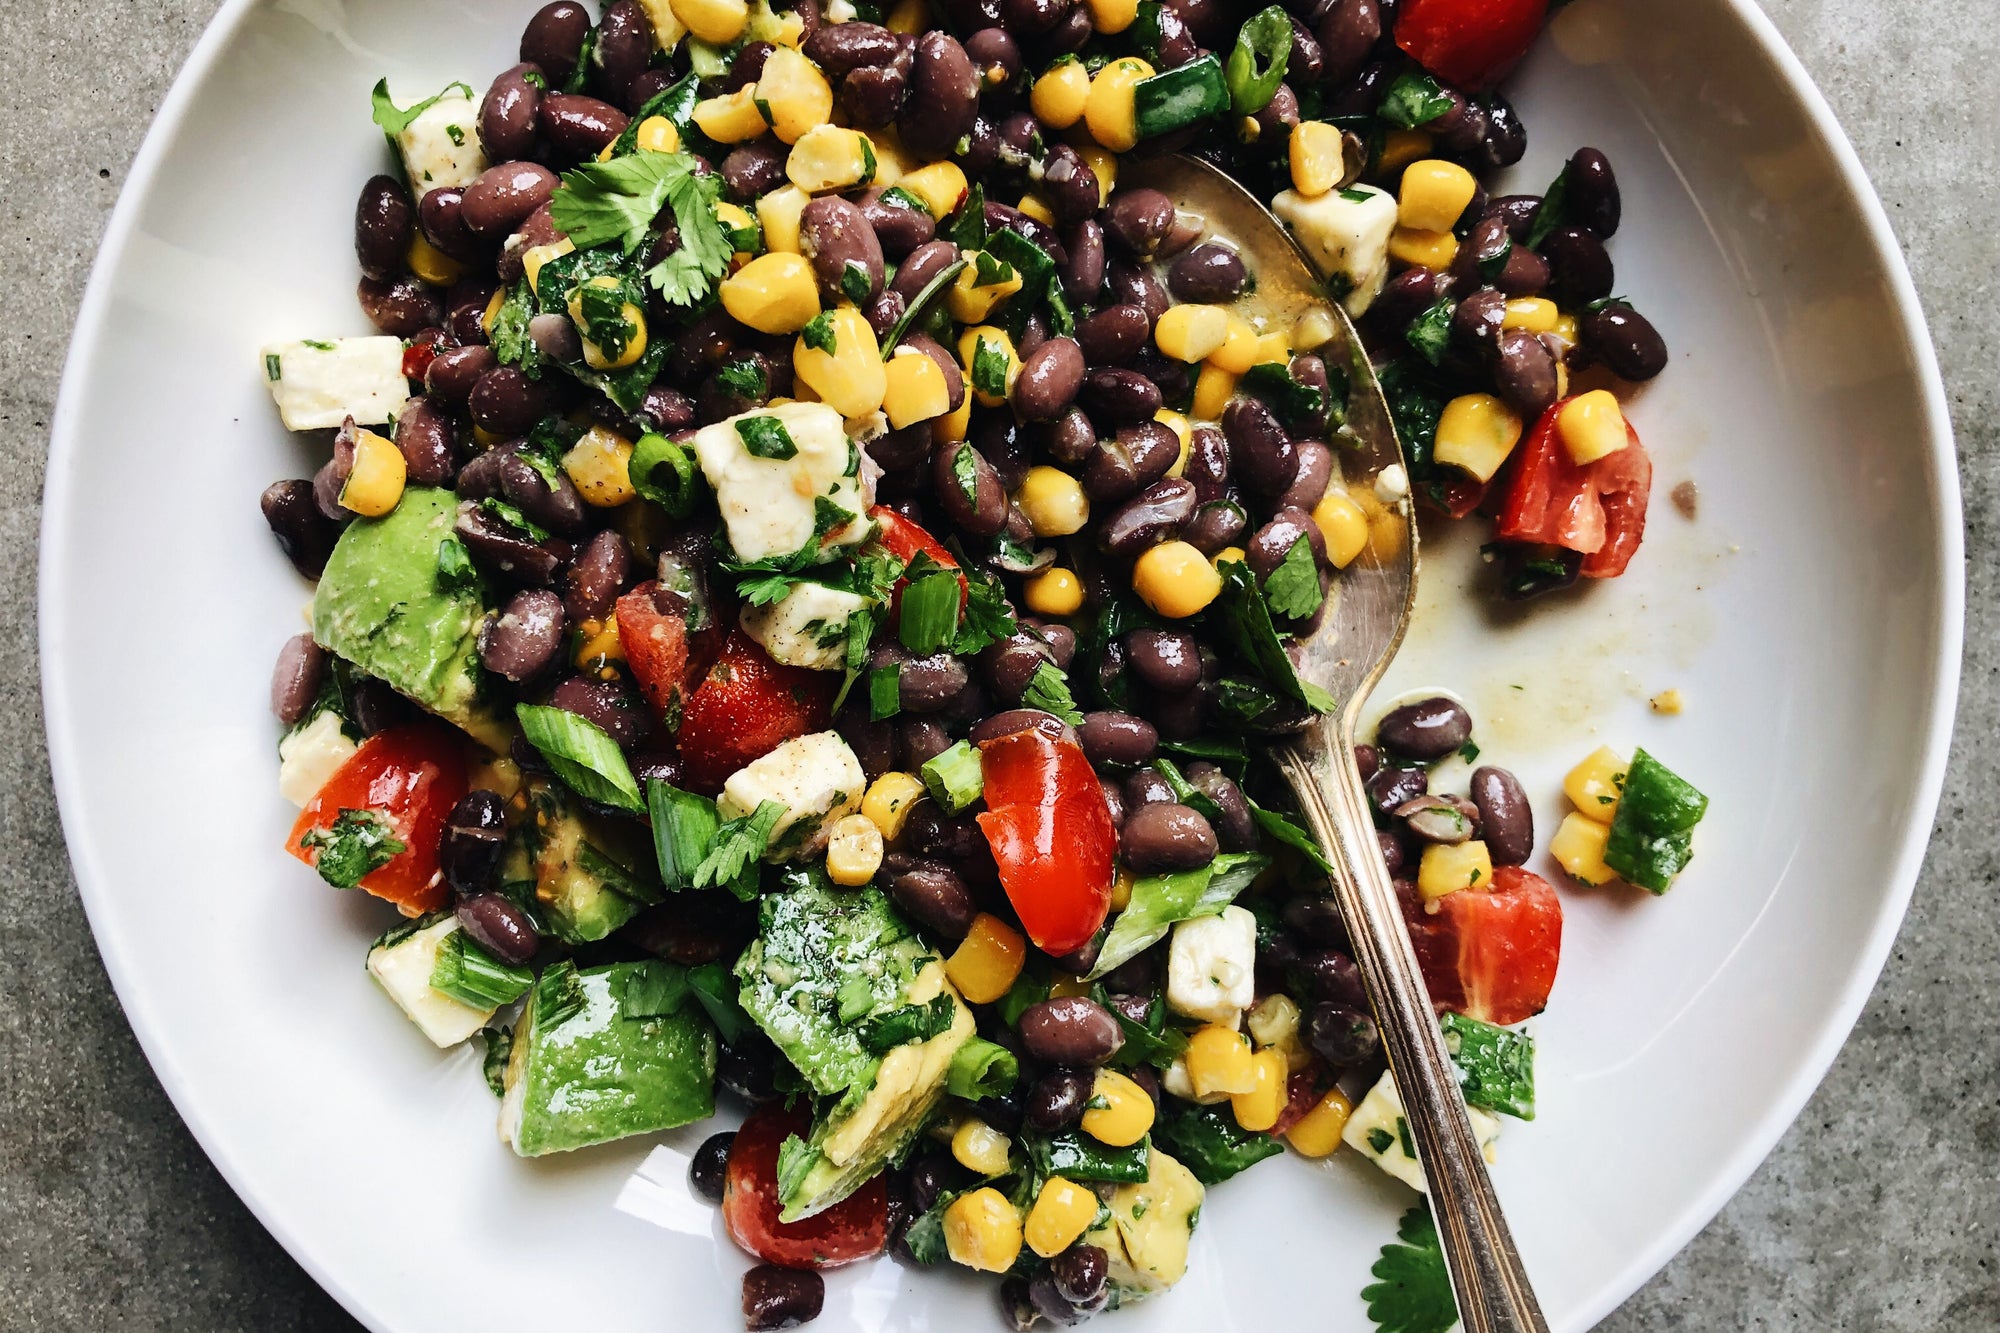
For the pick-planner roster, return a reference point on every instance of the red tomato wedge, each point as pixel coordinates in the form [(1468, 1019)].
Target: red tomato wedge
[(656, 648), (1489, 955), (747, 706), (1596, 508), (412, 775), (1472, 43), (855, 1228), (1051, 835)]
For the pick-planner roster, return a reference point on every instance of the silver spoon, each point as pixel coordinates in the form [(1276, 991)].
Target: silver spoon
[(1346, 657)]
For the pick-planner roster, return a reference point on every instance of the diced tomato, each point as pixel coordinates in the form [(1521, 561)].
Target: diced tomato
[(656, 648), (412, 775), (1598, 509), (855, 1228), (417, 358), (1489, 955), (1453, 492), (1051, 835), (906, 541), (1471, 43), (747, 706)]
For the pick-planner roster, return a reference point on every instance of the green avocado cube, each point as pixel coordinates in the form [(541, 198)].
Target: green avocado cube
[(585, 875)]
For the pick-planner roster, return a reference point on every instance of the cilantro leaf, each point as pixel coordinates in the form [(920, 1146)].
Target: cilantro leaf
[(738, 844), (1048, 690), (601, 202), (766, 437), (706, 245), (745, 379), (1292, 589), (767, 586), (818, 333), (1412, 100), (1413, 1293), (359, 843), (854, 282), (1430, 332), (986, 618), (394, 120), (989, 368)]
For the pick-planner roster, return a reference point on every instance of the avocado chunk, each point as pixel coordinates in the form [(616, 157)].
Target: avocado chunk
[(1147, 1233), (841, 983), (380, 606), (584, 874), (587, 1067)]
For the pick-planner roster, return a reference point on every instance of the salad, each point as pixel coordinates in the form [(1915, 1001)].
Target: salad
[(807, 560)]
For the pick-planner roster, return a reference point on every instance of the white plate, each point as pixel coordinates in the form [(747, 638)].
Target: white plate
[(1811, 617)]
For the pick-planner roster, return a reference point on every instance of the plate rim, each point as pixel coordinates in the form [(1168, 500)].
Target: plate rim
[(1946, 652)]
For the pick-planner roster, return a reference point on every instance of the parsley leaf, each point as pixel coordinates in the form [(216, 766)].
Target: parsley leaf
[(1412, 100), (1292, 589), (767, 586), (1430, 332), (619, 200), (989, 369), (745, 379), (986, 618), (1413, 1293), (1048, 690), (359, 843), (854, 282), (394, 120), (766, 437), (738, 844), (989, 270), (1244, 620), (455, 571), (818, 333)]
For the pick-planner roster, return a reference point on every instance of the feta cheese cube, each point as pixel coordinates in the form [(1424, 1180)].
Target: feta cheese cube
[(319, 384), (1346, 233), (807, 627), (667, 26), (441, 146), (309, 756), (778, 506), (404, 970), (816, 778), (1377, 1131), (1211, 966)]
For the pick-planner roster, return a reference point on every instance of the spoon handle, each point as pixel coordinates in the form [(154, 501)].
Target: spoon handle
[(1486, 1273)]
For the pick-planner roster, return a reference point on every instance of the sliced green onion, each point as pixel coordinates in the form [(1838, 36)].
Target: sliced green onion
[(1652, 832), (885, 691), (684, 826), (981, 1069), (1257, 65), (470, 975), (954, 778), (662, 471), (1048, 690), (915, 309), (1178, 98), (582, 755), (930, 612), (1186, 792), (1496, 1066)]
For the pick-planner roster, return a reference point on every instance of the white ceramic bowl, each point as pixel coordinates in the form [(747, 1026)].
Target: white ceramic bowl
[(1811, 617)]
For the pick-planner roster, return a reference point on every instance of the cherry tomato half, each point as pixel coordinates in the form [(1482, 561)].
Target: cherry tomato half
[(1472, 43), (1489, 955), (1598, 509), (855, 1228), (412, 775), (1051, 835)]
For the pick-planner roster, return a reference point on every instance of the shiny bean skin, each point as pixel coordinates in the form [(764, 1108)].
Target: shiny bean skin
[(1208, 463), (872, 97), (841, 48), (1152, 516), (1580, 270), (1083, 270), (578, 126), (1011, 663), (555, 336), (1117, 740), (883, 314), (1316, 920), (328, 482), (1216, 525), (834, 233), (1070, 438), (1506, 819), (1425, 730), (440, 219), (454, 371), (754, 168), (506, 402), (1177, 46), (503, 197), (873, 743), (1237, 827), (1114, 801), (1139, 220), (1405, 296), (1069, 185), (1263, 457), (1433, 819), (1341, 1035), (1506, 136), (1331, 975), (1114, 335), (538, 229), (927, 684), (1483, 247), (1166, 837), (425, 437), (1460, 132), (1209, 274), (609, 704), (981, 513), (943, 97), (1315, 473), (1145, 787), (775, 1297), (1018, 720), (499, 927), (1392, 851), (1516, 212), (475, 834), (304, 534), (1359, 95), (554, 38), (1131, 284), (1167, 660), (938, 898), (1060, 638), (1347, 32), (402, 307), (525, 637), (499, 548), (1525, 372), (1592, 197), (1274, 541), (1049, 379), (898, 227), (1056, 1101), (594, 578), (708, 1169), (384, 221), (1624, 340), (624, 49), (1391, 786), (1116, 397), (1475, 324), (296, 677), (510, 114), (1072, 1031), (924, 263)]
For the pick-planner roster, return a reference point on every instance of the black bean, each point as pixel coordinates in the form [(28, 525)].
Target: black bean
[(384, 221), (594, 578), (873, 96), (754, 168), (607, 703), (1177, 46), (425, 437), (556, 337), (1011, 663), (554, 38), (525, 637), (1341, 1034), (708, 1169), (1405, 296), (1460, 132), (1274, 541), (499, 927), (1392, 851), (1115, 397), (1056, 1101), (1624, 340), (899, 227), (503, 197), (510, 114), (1114, 335), (841, 48), (1216, 525), (1016, 720), (402, 307), (1049, 379), (1524, 273), (775, 1297), (1480, 254), (924, 263), (937, 897), (1167, 660), (1592, 192), (507, 402), (1506, 135), (296, 678), (1139, 220), (1083, 269), (577, 126), (1262, 455), (923, 740), (1081, 1275), (440, 219), (1435, 819), (943, 96), (1317, 920), (1209, 274), (499, 547), (927, 684), (1525, 372), (1580, 269), (1315, 473), (1476, 323), (1133, 284), (1427, 729), (553, 502), (1154, 515), (331, 479), (1507, 820), (475, 834), (835, 235), (1069, 185), (1330, 974), (1117, 740), (1348, 31), (1164, 837), (1108, 474), (1070, 1031), (454, 371), (304, 534), (1516, 212), (977, 504), (624, 49), (1391, 785)]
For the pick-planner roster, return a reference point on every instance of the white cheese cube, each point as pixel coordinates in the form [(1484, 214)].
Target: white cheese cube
[(1377, 1131), (667, 26), (404, 970), (309, 756), (1346, 233), (441, 146), (816, 778), (807, 627), (774, 506), (318, 385), (1211, 966)]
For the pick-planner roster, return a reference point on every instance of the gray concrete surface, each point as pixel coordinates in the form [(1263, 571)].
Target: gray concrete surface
[(1878, 1211)]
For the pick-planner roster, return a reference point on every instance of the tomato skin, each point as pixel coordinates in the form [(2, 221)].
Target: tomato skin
[(417, 358), (855, 1228), (1050, 831), (656, 648), (747, 706), (1489, 955), (906, 541), (1471, 43), (1597, 509), (414, 774)]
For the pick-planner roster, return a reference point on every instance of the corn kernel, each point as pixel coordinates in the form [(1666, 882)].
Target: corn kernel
[(1578, 848), (1119, 1111), (951, 428), (1565, 331), (1058, 96), (1228, 555), (987, 960), (656, 134), (1343, 524), (916, 388), (1434, 193), (970, 300), (1314, 327), (909, 17), (1121, 889), (851, 378), (600, 465), (1107, 112), (774, 293), (989, 338), (1593, 786), (1317, 1132), (430, 263), (1175, 579), (1399, 149), (1317, 162), (493, 304), (888, 800), (767, 25), (798, 95), (1052, 501), (375, 486), (1447, 869), (1112, 16), (1190, 332), (1054, 592), (980, 1148), (1476, 432), (731, 117), (1258, 1109), (1428, 249), (853, 851), (1667, 703), (1275, 1020), (1063, 1211), (1275, 346), (1536, 314), (941, 186), (1591, 426), (1239, 348), (601, 644), (778, 214), (1219, 1059), (1103, 164), (982, 1231), (532, 260), (717, 21), (1031, 206), (630, 317), (828, 158), (1183, 431), (1213, 388)]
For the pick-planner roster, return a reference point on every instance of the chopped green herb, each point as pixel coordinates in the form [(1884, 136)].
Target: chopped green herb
[(989, 270), (1414, 99), (1430, 332), (358, 843), (745, 378), (1496, 1065), (990, 364), (1048, 690), (987, 617), (1247, 627), (766, 437), (855, 283), (1381, 1140), (818, 333), (1257, 64), (271, 366), (455, 570), (1208, 1141), (1354, 196), (653, 988), (733, 862), (1292, 589), (1300, 406), (909, 1023), (582, 755), (394, 120)]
